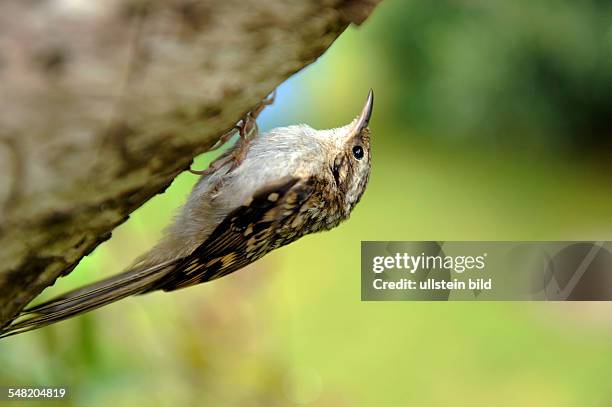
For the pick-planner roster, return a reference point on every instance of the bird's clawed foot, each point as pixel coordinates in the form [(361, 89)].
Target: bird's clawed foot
[(247, 130)]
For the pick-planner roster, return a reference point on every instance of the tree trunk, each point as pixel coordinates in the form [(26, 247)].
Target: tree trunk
[(104, 102)]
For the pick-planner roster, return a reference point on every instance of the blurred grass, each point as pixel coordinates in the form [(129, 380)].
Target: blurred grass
[(291, 329)]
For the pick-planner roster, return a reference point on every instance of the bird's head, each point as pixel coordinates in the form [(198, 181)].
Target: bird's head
[(349, 157)]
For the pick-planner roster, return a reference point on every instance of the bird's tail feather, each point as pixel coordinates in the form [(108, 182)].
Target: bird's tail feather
[(87, 298)]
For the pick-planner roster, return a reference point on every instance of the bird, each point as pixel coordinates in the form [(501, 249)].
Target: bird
[(264, 192)]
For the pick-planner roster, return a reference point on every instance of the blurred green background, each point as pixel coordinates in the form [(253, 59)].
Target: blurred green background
[(492, 121)]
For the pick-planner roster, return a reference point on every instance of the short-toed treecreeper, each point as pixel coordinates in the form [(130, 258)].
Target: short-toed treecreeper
[(265, 192)]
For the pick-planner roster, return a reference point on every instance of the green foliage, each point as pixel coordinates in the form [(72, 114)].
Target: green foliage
[(537, 72)]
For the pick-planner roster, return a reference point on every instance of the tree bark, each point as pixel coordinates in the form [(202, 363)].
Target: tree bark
[(103, 103)]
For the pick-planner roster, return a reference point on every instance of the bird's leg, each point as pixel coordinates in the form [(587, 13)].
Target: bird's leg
[(224, 138), (247, 129), (261, 105), (215, 164)]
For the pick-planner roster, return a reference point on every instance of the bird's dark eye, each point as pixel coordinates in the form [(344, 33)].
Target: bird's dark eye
[(358, 152)]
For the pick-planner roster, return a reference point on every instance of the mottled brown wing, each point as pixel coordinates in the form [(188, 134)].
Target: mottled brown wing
[(244, 236)]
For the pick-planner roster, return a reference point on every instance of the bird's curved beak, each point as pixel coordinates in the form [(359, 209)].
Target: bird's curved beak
[(364, 117)]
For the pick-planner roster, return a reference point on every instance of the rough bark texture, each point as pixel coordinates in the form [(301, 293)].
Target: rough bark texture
[(103, 103)]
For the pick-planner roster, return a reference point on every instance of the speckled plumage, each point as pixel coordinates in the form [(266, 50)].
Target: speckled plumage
[(290, 182)]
